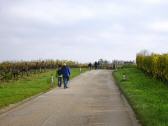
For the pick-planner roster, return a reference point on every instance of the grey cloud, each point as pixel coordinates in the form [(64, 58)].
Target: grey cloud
[(80, 30)]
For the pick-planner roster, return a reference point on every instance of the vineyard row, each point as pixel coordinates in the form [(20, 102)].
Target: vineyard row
[(9, 69)]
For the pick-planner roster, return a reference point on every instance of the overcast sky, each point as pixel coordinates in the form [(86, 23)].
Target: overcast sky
[(82, 30)]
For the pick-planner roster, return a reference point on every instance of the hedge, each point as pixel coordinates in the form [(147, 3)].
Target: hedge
[(154, 64)]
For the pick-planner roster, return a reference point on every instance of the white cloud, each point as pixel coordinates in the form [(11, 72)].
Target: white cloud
[(81, 30), (154, 1), (113, 32), (161, 26), (61, 12), (51, 12)]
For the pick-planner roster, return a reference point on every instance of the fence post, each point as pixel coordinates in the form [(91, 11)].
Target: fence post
[(80, 69), (52, 80)]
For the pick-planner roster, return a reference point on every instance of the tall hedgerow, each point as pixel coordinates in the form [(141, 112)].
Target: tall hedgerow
[(154, 64)]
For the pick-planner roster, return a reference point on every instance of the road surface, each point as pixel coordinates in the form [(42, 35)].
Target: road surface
[(93, 99)]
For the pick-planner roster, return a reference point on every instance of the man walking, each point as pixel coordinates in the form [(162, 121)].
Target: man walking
[(66, 74), (95, 65)]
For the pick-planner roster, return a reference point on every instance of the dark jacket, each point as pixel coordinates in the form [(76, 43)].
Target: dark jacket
[(59, 72)]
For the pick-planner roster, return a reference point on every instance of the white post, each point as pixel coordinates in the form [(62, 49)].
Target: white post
[(124, 77), (80, 69), (52, 81)]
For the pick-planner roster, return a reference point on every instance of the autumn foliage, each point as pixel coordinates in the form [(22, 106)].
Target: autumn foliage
[(15, 69), (154, 64)]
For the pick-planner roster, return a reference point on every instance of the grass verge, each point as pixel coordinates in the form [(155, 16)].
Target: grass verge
[(147, 96), (17, 90)]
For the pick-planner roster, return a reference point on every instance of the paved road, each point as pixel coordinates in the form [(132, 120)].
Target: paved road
[(93, 99)]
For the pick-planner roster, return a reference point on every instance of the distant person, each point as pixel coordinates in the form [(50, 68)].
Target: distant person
[(66, 75), (90, 66), (59, 75), (98, 65), (95, 65)]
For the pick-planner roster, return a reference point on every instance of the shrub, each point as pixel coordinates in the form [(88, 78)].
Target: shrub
[(155, 64)]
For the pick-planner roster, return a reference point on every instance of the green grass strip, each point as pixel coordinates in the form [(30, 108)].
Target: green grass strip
[(147, 96), (17, 90)]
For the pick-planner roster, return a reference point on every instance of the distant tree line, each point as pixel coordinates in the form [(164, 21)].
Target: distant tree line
[(15, 69), (155, 65)]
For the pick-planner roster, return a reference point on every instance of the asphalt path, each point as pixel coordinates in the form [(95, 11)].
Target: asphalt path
[(92, 99)]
